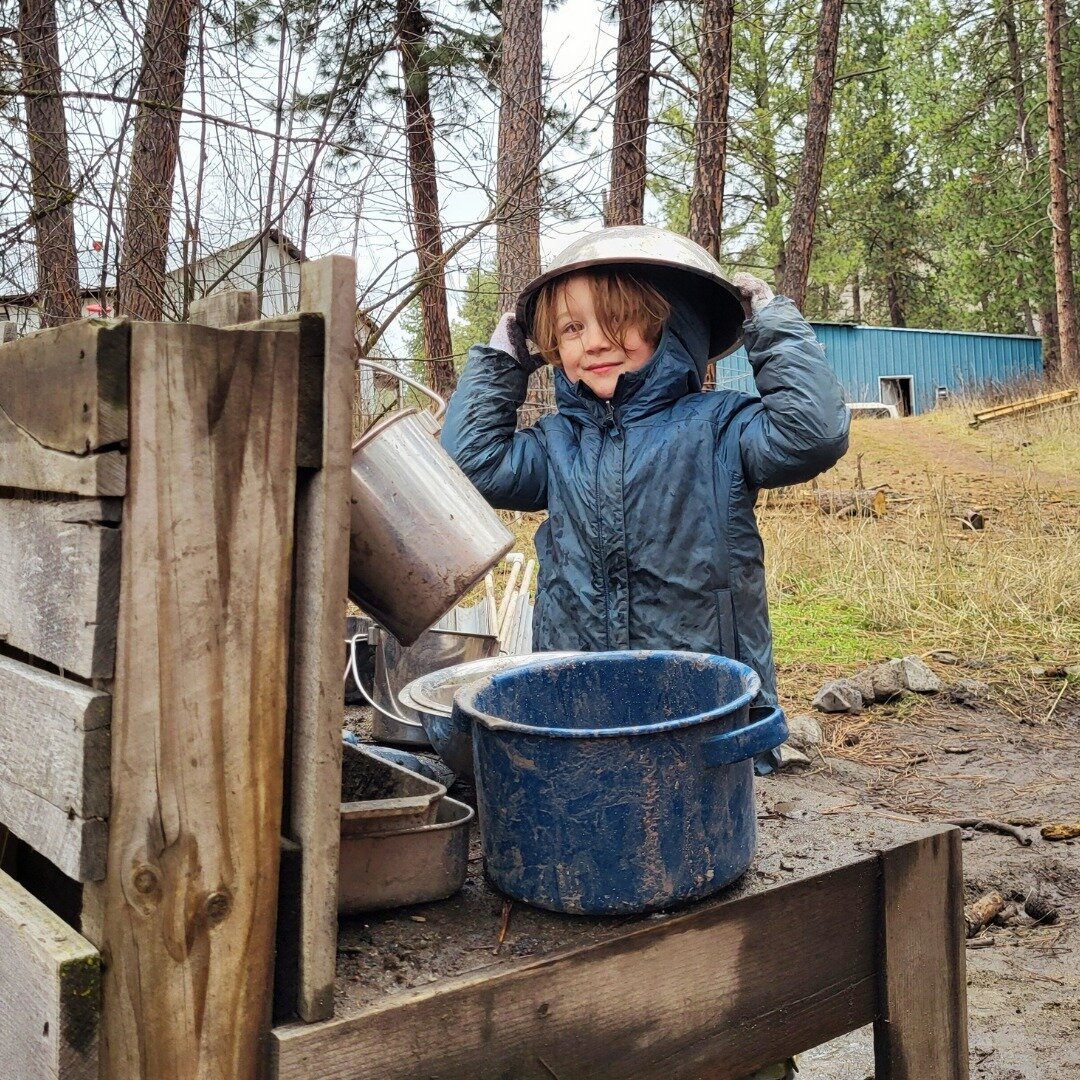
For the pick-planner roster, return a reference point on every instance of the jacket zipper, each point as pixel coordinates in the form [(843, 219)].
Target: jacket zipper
[(605, 426)]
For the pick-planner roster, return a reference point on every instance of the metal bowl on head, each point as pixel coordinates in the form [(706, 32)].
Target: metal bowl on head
[(431, 697), (657, 253)]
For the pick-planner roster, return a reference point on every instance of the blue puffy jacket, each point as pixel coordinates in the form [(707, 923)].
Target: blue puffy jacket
[(651, 540)]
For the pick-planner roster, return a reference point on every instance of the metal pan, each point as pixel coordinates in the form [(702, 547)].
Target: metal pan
[(408, 866)]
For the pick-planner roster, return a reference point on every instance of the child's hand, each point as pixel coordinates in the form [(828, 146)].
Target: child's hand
[(508, 337), (753, 292)]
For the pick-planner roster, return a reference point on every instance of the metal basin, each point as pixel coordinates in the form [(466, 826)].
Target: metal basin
[(409, 866), (379, 796), (397, 666), (431, 697)]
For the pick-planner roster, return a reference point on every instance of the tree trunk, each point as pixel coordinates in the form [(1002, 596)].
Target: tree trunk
[(856, 298), (521, 124), (711, 126), (1059, 196), (423, 180), (50, 171), (1047, 311), (765, 142), (154, 149), (626, 197), (893, 294), (804, 206), (521, 120)]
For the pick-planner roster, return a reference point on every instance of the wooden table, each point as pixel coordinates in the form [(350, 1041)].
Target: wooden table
[(735, 983)]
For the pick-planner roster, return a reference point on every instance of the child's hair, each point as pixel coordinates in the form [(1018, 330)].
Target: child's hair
[(622, 300)]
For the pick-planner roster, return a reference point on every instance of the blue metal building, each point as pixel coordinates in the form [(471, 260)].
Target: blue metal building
[(911, 369)]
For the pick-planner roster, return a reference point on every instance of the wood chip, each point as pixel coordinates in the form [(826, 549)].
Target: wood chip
[(1061, 830)]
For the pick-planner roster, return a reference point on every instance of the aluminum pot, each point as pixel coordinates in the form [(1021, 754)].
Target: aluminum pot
[(421, 534)]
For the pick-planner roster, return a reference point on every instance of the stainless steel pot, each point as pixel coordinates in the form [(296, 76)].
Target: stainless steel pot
[(422, 535)]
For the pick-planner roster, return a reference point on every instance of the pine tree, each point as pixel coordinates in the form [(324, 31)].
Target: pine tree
[(50, 170)]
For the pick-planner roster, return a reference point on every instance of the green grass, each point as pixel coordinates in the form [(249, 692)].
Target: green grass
[(826, 631)]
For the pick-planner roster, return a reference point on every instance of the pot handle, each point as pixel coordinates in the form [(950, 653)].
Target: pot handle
[(767, 728), (414, 383)]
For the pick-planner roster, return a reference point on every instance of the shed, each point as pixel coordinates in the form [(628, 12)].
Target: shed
[(910, 368)]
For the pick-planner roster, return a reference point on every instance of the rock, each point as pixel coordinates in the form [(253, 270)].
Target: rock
[(789, 756), (968, 691), (887, 680), (839, 695), (864, 680), (883, 682), (803, 731), (917, 676)]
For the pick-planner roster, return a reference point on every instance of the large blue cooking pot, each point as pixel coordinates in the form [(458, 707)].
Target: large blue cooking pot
[(617, 782)]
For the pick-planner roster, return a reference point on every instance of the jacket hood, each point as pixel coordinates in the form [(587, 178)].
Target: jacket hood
[(677, 367)]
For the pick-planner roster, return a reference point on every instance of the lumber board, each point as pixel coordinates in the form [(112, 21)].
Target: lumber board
[(310, 325), (54, 766), (75, 845), (59, 580), (50, 992), (199, 703), (921, 1032), (317, 706), (225, 308), (717, 992), (63, 409), (1019, 408)]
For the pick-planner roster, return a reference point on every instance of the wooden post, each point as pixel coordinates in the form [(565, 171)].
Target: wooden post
[(318, 652), (225, 308), (921, 1030), (199, 702)]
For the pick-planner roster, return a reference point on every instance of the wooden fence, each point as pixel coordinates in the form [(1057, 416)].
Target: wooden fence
[(173, 546)]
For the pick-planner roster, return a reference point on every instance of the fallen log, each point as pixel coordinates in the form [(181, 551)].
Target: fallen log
[(857, 503), (982, 911)]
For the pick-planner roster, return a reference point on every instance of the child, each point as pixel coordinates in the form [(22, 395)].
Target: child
[(651, 540)]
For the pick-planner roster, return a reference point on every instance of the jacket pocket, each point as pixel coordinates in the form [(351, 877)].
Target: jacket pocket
[(725, 621)]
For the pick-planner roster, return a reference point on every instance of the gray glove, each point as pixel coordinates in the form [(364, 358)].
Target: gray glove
[(754, 292), (509, 338)]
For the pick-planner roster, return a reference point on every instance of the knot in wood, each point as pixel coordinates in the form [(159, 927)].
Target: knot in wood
[(145, 879), (217, 905)]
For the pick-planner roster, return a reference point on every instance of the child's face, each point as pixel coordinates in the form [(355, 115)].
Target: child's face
[(585, 352)]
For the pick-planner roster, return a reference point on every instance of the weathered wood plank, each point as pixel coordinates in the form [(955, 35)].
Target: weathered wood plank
[(225, 308), (199, 702), (716, 992), (54, 766), (26, 463), (76, 845), (54, 738), (59, 580), (317, 703), (921, 1033), (309, 426), (50, 993), (67, 387)]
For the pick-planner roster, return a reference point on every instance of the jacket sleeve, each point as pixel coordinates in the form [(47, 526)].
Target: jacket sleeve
[(800, 426), (508, 467)]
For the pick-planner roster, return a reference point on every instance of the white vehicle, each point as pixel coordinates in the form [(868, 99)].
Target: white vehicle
[(873, 410)]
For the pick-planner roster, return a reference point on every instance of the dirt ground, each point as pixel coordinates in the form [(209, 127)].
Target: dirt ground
[(1001, 741)]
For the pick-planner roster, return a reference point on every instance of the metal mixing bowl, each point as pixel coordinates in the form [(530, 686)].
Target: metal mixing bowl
[(431, 697)]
